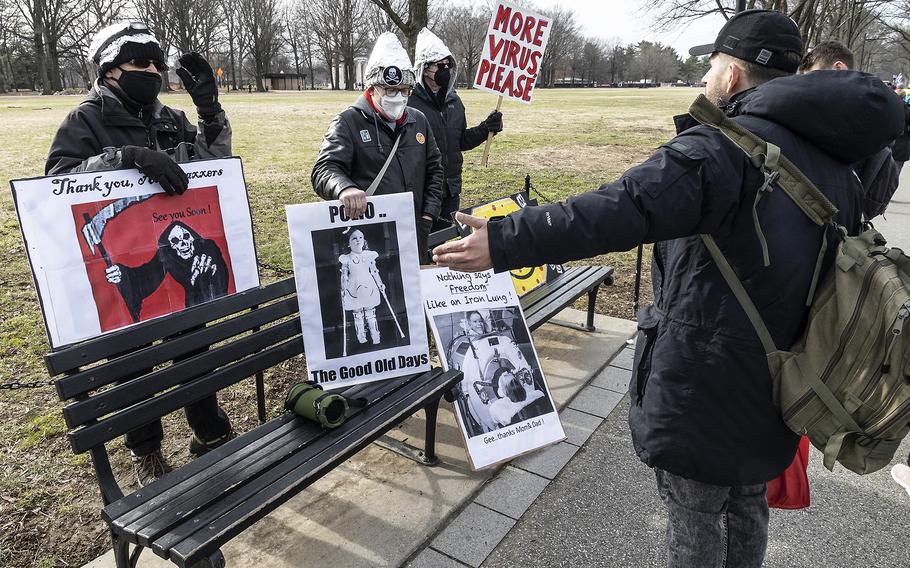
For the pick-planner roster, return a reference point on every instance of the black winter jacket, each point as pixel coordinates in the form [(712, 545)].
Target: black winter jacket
[(356, 146), (450, 127), (701, 391), (91, 135)]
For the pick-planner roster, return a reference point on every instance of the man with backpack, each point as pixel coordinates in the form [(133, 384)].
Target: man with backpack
[(703, 410)]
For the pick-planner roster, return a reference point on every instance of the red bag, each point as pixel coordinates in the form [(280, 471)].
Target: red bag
[(790, 490)]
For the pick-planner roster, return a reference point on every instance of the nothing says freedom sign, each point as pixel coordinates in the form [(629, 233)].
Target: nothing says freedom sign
[(512, 52)]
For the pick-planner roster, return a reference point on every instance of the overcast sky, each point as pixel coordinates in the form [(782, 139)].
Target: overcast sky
[(625, 20)]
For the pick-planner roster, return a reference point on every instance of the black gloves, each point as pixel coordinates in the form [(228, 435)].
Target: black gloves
[(423, 237), (493, 123), (157, 166), (199, 81)]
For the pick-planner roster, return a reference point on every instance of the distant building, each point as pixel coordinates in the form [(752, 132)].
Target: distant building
[(284, 81)]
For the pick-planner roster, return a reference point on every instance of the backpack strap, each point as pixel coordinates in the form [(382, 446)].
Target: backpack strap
[(767, 157), (740, 292)]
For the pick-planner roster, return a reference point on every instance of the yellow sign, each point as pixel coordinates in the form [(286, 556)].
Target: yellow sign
[(524, 279)]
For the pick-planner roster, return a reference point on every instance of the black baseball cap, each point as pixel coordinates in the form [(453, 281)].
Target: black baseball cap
[(765, 37)]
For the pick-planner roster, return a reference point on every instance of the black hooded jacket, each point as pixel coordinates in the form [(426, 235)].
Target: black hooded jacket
[(356, 146), (90, 137), (450, 127), (701, 391)]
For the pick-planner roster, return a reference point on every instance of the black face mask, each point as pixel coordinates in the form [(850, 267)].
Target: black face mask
[(140, 86), (442, 77)]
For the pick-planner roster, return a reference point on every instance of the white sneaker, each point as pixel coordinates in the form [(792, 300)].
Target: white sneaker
[(901, 474)]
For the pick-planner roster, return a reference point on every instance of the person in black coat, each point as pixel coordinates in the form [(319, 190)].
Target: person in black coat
[(435, 96), (359, 140), (122, 124), (702, 413), (880, 173)]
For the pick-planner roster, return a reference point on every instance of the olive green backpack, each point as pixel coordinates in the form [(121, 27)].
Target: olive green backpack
[(846, 383)]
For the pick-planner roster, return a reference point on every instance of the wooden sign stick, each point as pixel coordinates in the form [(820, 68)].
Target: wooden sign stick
[(486, 148)]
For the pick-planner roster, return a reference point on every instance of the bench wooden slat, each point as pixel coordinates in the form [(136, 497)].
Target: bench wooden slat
[(282, 482), (561, 296), (73, 357), (529, 300), (174, 498), (437, 238), (87, 437), (138, 362), (136, 390)]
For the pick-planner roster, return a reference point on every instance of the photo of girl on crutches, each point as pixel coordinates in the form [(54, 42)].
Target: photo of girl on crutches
[(362, 290)]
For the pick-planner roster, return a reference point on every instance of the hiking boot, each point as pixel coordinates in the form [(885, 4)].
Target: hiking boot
[(150, 467), (198, 447)]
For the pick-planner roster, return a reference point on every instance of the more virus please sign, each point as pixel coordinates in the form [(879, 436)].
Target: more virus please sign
[(512, 52)]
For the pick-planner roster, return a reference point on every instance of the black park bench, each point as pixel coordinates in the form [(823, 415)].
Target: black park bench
[(118, 382), (548, 299), (126, 379)]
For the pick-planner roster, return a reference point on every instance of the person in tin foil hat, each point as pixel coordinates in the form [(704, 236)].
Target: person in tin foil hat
[(122, 124), (361, 140), (435, 96), (702, 412)]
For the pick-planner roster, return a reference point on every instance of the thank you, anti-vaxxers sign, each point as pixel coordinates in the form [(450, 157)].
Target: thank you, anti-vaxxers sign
[(512, 52)]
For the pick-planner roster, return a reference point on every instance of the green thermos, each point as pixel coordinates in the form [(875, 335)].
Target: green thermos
[(311, 402)]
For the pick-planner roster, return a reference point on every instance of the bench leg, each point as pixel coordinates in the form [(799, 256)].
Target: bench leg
[(122, 556), (260, 397), (426, 456), (592, 300), (429, 451), (589, 320), (215, 560)]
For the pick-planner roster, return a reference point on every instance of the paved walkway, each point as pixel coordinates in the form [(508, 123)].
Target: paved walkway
[(602, 510)]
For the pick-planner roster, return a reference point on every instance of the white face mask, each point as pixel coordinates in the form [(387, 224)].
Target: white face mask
[(394, 105)]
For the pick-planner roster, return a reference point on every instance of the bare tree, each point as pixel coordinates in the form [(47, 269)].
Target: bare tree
[(194, 25), (409, 16), (98, 14), (563, 42), (34, 13), (463, 29), (261, 21)]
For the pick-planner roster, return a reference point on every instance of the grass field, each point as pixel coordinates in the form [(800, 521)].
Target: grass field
[(568, 141)]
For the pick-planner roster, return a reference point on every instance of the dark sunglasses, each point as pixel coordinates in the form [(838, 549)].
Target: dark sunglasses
[(144, 63)]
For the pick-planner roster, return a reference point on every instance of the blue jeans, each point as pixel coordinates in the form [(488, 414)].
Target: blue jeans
[(711, 526)]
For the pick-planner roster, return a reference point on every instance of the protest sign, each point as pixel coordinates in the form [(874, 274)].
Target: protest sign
[(524, 279), (503, 405), (110, 249), (512, 54), (358, 285)]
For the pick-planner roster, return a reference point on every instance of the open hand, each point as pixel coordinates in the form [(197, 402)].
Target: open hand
[(470, 254), (202, 264)]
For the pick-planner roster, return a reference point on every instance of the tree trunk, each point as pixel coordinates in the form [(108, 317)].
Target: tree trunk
[(40, 56)]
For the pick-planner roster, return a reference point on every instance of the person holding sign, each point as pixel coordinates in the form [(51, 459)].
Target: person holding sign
[(435, 97), (122, 124), (378, 146), (702, 412)]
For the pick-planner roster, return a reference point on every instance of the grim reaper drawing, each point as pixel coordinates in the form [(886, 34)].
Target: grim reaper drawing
[(192, 261)]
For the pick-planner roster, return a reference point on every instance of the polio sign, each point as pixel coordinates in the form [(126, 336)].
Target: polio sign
[(512, 52)]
